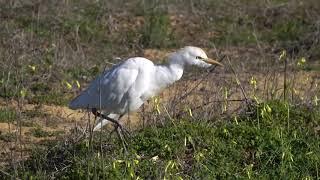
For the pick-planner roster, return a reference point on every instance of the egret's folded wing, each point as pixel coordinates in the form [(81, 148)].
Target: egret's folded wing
[(107, 90)]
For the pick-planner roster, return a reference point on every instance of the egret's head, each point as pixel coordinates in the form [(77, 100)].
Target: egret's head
[(190, 55)]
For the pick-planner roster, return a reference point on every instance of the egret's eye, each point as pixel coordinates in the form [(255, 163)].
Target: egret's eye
[(199, 57)]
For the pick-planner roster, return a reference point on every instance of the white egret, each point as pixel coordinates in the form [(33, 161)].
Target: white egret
[(127, 85)]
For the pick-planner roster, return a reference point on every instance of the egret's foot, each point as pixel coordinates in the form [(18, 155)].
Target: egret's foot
[(118, 128), (121, 137), (125, 131), (122, 134)]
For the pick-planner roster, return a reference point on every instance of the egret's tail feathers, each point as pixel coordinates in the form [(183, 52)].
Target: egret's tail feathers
[(104, 122), (79, 102), (100, 124)]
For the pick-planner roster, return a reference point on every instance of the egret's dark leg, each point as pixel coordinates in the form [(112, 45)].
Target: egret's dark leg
[(120, 135), (118, 127), (96, 113), (126, 132)]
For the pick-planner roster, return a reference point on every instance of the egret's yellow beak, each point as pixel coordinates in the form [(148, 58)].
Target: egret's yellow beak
[(211, 61)]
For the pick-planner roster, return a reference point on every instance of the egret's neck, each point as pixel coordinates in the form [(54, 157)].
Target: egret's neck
[(168, 74)]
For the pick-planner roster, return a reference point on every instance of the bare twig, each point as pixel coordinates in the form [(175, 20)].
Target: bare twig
[(214, 101), (7, 174), (197, 85), (285, 79), (228, 100)]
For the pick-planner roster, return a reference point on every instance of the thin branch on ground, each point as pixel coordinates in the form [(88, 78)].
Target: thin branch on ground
[(238, 82), (197, 85)]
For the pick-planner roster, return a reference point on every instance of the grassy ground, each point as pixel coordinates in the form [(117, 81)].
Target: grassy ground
[(276, 140), (199, 128)]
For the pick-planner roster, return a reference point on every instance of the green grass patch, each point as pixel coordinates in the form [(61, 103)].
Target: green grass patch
[(56, 98), (7, 115), (234, 35), (291, 31), (277, 141), (312, 67), (156, 32), (39, 132), (7, 137)]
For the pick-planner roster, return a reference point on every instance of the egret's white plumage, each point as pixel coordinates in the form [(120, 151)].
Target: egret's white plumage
[(127, 85)]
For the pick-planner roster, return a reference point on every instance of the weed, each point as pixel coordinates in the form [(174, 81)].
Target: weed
[(234, 34), (82, 73), (156, 31), (39, 132), (7, 137)]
